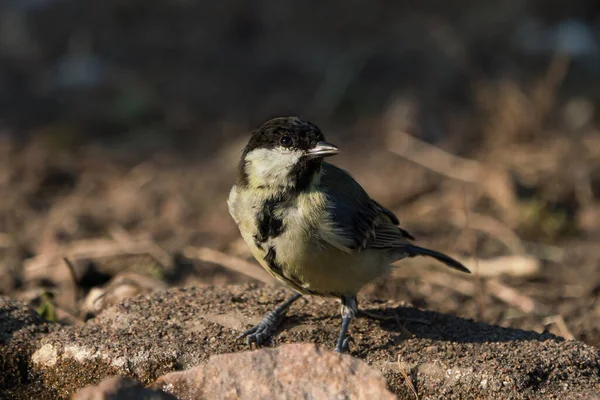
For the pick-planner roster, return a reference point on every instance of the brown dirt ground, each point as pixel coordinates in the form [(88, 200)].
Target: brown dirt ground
[(150, 335), (150, 153)]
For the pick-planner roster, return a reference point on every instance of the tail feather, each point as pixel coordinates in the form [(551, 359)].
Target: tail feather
[(449, 261)]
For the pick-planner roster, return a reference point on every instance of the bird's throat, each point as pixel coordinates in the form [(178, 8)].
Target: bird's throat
[(279, 175)]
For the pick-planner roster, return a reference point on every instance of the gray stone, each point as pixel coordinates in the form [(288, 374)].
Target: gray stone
[(293, 371), (123, 286)]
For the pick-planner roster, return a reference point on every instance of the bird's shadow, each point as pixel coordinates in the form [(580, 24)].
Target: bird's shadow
[(409, 322), (443, 327)]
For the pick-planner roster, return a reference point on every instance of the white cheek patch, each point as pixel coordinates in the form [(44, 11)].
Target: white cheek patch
[(271, 166)]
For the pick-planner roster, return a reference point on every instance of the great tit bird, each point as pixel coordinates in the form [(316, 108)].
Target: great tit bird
[(310, 224)]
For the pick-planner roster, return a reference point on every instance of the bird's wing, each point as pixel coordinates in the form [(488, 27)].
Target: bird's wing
[(360, 221)]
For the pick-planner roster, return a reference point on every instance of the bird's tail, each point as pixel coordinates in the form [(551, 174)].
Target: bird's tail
[(414, 251)]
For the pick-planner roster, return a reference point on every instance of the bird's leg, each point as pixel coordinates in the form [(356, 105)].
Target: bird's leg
[(260, 333), (349, 309)]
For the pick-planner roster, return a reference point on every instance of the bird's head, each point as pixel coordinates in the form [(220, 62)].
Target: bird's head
[(284, 154)]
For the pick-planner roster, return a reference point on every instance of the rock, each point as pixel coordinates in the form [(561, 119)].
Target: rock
[(123, 286), (120, 388), (49, 268), (294, 371), (21, 329), (448, 357)]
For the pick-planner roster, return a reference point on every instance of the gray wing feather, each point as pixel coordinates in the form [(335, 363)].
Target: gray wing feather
[(361, 220)]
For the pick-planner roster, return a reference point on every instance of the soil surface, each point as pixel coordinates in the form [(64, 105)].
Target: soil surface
[(122, 123), (444, 356)]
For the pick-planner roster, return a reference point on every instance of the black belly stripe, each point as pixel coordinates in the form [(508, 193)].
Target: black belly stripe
[(269, 225), (277, 269), (270, 258), (293, 282)]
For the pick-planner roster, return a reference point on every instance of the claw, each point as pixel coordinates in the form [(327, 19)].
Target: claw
[(343, 347), (262, 332), (247, 332)]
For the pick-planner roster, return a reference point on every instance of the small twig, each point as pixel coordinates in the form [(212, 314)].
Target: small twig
[(495, 288), (515, 265), (480, 291), (495, 183), (236, 264), (561, 324), (545, 251), (407, 380), (74, 280), (434, 158), (459, 285), (96, 248), (505, 234), (64, 315), (492, 227), (513, 297), (119, 234), (403, 328)]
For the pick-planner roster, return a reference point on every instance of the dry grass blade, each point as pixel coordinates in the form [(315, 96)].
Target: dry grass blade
[(66, 317), (545, 251), (408, 334), (236, 264), (473, 243), (462, 286), (513, 297), (407, 380), (561, 324), (434, 158), (515, 265), (495, 183), (493, 287), (493, 227), (73, 274), (161, 256), (97, 248)]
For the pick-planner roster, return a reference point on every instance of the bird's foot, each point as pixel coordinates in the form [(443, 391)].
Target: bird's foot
[(263, 331), (342, 345)]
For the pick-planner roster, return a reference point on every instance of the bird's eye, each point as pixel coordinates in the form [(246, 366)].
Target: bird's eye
[(286, 141)]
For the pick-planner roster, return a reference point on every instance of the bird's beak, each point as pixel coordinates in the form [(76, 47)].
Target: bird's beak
[(323, 149)]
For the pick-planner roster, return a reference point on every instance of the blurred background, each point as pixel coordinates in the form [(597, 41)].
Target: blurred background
[(477, 122)]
